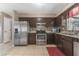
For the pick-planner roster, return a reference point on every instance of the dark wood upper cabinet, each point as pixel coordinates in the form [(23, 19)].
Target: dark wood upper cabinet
[(65, 14), (34, 20)]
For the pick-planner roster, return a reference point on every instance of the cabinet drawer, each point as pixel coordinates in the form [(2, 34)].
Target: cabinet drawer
[(32, 38)]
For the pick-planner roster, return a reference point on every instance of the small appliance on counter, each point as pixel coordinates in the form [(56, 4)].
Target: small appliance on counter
[(55, 29)]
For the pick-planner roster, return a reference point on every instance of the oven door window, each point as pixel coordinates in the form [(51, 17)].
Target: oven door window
[(40, 36)]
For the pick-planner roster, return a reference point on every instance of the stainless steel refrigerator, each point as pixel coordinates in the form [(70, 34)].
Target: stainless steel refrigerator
[(21, 29)]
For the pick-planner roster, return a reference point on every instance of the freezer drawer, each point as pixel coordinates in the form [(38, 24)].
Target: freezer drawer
[(16, 38), (20, 39)]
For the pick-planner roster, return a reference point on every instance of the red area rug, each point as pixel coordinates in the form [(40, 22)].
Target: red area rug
[(54, 51)]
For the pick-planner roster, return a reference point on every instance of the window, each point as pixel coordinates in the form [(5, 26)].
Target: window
[(73, 24)]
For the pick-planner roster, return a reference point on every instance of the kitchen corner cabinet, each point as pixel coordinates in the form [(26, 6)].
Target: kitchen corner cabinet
[(32, 38), (65, 44), (50, 38)]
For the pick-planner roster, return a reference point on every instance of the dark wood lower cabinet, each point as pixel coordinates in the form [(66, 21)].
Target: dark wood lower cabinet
[(67, 48), (65, 44), (32, 38), (60, 44), (55, 39), (58, 41), (50, 38)]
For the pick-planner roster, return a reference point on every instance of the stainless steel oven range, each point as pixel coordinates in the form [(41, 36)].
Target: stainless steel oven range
[(41, 38)]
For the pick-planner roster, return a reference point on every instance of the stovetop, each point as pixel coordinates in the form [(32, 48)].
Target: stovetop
[(41, 32)]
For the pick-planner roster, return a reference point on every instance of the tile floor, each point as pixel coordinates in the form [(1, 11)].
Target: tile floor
[(29, 50)]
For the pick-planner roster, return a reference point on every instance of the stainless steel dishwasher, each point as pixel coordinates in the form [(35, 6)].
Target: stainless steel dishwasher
[(76, 48)]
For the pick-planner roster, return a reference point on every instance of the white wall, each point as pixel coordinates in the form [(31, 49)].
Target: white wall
[(7, 29), (0, 30), (5, 47)]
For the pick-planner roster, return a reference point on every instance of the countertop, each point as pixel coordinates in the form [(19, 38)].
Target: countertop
[(46, 32), (74, 36)]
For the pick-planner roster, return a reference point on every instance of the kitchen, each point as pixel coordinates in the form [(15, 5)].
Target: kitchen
[(43, 27)]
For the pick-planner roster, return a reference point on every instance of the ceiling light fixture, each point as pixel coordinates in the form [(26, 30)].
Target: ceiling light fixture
[(39, 19), (39, 4)]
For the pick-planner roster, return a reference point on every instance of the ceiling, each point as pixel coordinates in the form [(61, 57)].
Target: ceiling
[(35, 9)]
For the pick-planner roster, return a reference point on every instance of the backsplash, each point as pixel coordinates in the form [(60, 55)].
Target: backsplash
[(47, 29)]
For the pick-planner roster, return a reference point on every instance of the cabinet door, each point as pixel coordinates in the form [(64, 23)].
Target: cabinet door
[(32, 38), (50, 39), (60, 44), (56, 39), (67, 48)]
